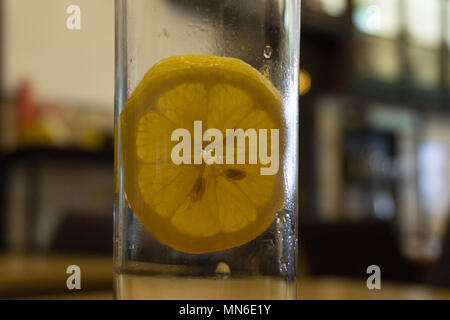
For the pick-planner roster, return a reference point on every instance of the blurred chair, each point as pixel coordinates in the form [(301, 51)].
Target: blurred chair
[(347, 249)]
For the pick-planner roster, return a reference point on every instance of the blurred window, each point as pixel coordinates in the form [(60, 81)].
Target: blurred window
[(378, 59), (424, 65), (423, 22), (448, 72), (377, 17), (334, 8), (72, 66), (448, 24)]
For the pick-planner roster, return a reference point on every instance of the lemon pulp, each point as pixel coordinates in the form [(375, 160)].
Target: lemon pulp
[(199, 208)]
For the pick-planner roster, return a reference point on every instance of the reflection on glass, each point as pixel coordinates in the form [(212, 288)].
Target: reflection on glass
[(423, 22), (377, 17)]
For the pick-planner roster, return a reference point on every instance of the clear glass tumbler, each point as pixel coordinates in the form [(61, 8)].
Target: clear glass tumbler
[(206, 150)]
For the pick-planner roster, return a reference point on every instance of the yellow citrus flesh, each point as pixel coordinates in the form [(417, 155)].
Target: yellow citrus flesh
[(199, 208)]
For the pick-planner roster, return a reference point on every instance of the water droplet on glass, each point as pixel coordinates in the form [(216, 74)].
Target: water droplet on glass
[(283, 265), (267, 52), (223, 271)]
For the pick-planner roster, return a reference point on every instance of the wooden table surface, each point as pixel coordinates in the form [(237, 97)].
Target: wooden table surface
[(22, 275), (44, 277)]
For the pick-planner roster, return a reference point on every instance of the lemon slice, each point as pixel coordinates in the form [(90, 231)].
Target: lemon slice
[(199, 208)]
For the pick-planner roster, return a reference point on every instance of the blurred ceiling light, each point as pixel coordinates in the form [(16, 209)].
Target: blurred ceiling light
[(377, 17), (374, 18), (305, 82), (334, 8), (423, 22)]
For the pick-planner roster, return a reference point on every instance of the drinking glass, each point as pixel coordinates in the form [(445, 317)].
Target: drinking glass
[(225, 232)]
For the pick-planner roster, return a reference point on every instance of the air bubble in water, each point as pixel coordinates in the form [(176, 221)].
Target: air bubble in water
[(223, 271), (267, 52)]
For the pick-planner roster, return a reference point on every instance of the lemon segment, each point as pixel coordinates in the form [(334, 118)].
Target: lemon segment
[(234, 208), (227, 106), (166, 186), (194, 216)]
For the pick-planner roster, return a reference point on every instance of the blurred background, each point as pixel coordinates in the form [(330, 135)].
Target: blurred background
[(374, 148)]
